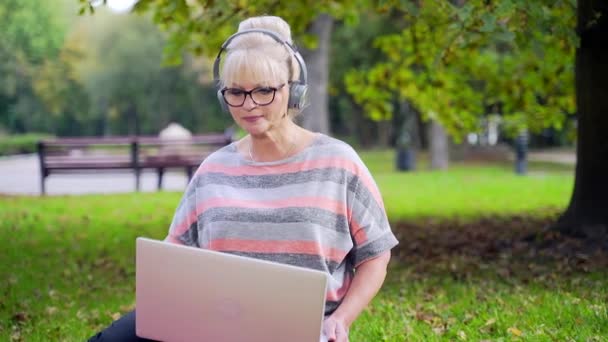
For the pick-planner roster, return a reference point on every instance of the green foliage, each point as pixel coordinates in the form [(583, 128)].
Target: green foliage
[(127, 82), (97, 75), (24, 143), (456, 63), (29, 30), (31, 34), (350, 48), (201, 26)]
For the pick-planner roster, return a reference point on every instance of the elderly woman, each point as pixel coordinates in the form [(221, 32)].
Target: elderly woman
[(282, 193)]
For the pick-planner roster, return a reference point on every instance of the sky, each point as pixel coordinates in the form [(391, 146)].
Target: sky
[(120, 6)]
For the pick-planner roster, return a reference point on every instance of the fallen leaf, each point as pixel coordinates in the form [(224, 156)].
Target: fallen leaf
[(51, 310), (490, 322), (439, 330), (462, 335), (514, 331), (16, 336)]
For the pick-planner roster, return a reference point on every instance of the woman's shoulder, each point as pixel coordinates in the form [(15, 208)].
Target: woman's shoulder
[(335, 147), (224, 155)]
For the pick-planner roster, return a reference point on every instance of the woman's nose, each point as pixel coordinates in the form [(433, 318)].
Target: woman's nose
[(249, 102)]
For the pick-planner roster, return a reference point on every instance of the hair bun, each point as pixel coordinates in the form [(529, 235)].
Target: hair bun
[(271, 23)]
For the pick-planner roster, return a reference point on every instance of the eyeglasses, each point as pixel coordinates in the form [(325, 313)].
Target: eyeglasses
[(261, 96)]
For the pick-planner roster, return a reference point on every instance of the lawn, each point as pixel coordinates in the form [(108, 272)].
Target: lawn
[(460, 272)]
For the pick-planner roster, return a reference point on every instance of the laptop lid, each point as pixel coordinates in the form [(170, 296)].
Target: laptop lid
[(191, 294)]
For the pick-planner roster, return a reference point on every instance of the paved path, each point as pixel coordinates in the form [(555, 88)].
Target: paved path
[(554, 156), (21, 175)]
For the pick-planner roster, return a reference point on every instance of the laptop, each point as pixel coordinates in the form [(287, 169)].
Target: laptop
[(192, 294)]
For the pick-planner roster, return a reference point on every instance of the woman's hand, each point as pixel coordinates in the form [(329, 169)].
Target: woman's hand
[(335, 329)]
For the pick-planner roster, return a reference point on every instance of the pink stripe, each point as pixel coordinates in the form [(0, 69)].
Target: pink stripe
[(172, 239), (358, 233), (335, 162), (181, 227), (298, 247), (315, 202), (337, 295)]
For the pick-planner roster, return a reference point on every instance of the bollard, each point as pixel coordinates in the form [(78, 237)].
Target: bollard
[(521, 152)]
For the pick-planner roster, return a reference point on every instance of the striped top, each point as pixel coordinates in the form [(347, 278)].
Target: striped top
[(319, 208)]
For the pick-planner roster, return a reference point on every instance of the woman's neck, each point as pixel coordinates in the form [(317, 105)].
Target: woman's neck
[(274, 145)]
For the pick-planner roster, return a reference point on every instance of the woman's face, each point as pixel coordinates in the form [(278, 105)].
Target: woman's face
[(258, 119)]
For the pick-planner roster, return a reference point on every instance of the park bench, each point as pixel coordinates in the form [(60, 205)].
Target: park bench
[(134, 153)]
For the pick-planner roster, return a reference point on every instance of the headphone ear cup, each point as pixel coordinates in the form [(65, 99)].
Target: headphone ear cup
[(223, 104), (297, 95)]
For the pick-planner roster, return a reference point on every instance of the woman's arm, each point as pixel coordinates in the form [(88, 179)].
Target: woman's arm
[(368, 279)]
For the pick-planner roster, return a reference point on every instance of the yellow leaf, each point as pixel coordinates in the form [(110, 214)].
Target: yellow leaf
[(490, 322), (462, 335), (514, 331)]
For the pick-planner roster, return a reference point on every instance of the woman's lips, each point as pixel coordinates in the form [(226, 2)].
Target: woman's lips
[(252, 119)]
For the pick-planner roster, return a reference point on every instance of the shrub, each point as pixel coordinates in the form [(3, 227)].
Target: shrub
[(22, 143)]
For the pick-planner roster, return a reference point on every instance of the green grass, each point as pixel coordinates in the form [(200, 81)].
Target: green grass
[(67, 263), (468, 191), (444, 309)]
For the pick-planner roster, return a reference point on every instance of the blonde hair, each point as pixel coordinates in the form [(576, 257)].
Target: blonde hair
[(260, 58)]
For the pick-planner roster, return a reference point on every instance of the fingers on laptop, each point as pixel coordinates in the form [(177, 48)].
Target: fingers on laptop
[(334, 331)]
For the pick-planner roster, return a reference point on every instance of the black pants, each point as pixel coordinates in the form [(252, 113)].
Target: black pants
[(121, 330)]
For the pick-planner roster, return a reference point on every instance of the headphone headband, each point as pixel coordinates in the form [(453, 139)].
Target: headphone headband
[(303, 79)]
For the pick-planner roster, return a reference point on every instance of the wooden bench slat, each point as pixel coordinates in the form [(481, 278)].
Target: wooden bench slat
[(64, 155)]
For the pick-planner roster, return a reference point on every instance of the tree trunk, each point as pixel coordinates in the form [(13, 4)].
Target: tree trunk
[(315, 116), (385, 131), (438, 146), (587, 213), (412, 125)]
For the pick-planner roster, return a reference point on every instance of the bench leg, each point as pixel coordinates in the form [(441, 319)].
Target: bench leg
[(42, 185), (160, 171), (137, 179), (189, 173)]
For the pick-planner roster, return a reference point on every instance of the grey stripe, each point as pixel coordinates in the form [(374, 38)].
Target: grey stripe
[(315, 216), (364, 203), (285, 231), (330, 307), (303, 260), (297, 179), (190, 236), (375, 247), (269, 182)]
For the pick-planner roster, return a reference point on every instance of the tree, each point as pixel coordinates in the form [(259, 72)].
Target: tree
[(30, 35), (526, 73), (316, 116), (131, 91), (586, 215), (457, 61), (201, 26), (452, 62)]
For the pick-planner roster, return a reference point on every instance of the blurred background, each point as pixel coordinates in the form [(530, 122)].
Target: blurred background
[(383, 75), (490, 155)]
